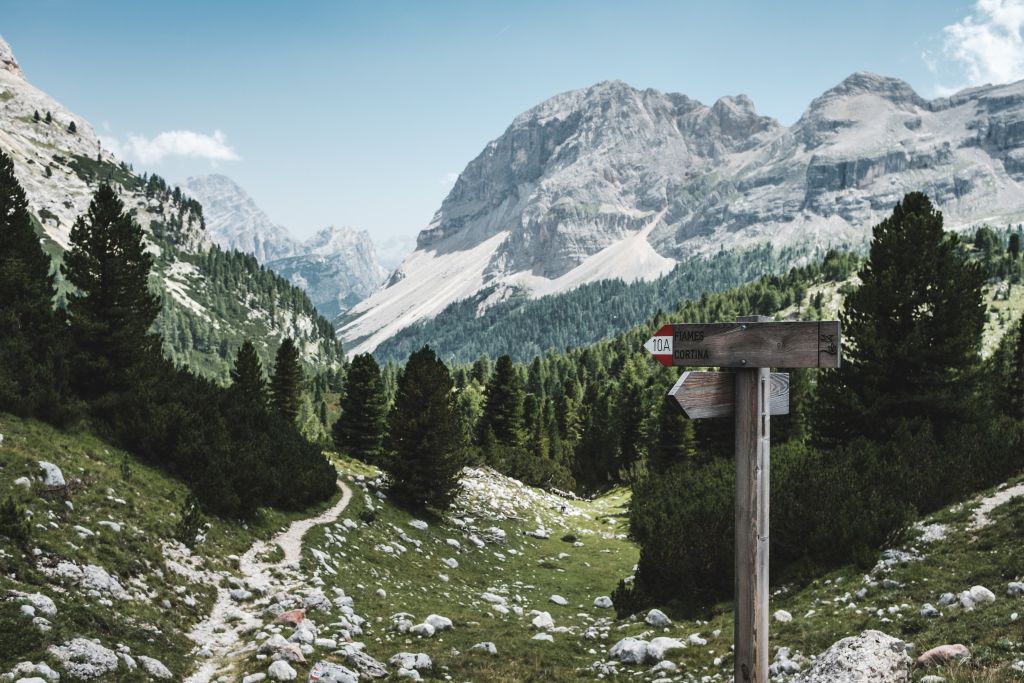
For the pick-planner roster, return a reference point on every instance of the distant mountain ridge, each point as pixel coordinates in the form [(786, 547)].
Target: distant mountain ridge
[(338, 266), (614, 182)]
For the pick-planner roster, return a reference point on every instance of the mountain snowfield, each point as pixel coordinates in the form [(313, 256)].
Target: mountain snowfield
[(337, 267), (611, 181)]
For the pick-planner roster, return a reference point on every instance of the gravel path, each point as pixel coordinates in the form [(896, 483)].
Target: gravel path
[(981, 519), (219, 632)]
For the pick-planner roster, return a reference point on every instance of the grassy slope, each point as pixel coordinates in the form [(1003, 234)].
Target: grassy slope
[(413, 583), (148, 518)]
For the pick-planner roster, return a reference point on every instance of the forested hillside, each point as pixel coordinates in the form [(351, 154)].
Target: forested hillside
[(524, 327)]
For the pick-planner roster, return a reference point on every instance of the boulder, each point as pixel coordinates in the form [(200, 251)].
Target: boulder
[(871, 657), (292, 617), (546, 637), (53, 478), (423, 630), (272, 645), (558, 600), (946, 599), (933, 679), (1015, 589), (438, 622), (411, 660), (543, 622), (364, 663), (418, 524), (254, 678), (928, 610), (659, 647), (944, 654), (281, 671), (657, 619), (782, 616), (155, 668), (488, 647), (603, 602), (326, 672), (42, 604), (84, 659), (630, 651)]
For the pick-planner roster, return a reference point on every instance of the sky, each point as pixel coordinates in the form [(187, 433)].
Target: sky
[(364, 113)]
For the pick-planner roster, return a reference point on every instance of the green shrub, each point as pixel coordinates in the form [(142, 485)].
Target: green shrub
[(14, 524)]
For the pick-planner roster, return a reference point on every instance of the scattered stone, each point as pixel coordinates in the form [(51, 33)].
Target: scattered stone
[(928, 610), (451, 562), (254, 678), (411, 660), (1015, 589), (977, 595), (944, 654), (488, 647), (423, 630), (659, 647), (155, 668), (933, 679), (629, 651), (326, 672), (547, 637), (418, 524), (53, 478), (39, 602), (783, 616), (871, 656), (558, 600), (657, 619), (292, 617), (113, 526), (364, 663), (85, 659), (946, 599), (240, 594), (438, 622), (543, 622), (23, 482), (603, 602), (281, 671)]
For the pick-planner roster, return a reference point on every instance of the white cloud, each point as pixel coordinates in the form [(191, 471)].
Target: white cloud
[(985, 47), (172, 143)]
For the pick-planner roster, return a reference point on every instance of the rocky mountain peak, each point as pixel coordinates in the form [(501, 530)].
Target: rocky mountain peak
[(7, 60)]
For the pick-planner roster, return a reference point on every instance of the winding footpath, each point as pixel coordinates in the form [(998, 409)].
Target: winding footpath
[(217, 636)]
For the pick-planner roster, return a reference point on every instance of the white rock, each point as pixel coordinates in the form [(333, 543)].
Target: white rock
[(657, 619), (629, 651), (53, 478), (1015, 589), (547, 637), (453, 543), (423, 630), (558, 600), (281, 671), (871, 656), (659, 647), (412, 674), (928, 610), (254, 678), (783, 616), (487, 646), (85, 659), (982, 595), (23, 482), (155, 668), (325, 643), (493, 598), (664, 667), (695, 639), (418, 524), (113, 526), (543, 622), (411, 660), (603, 602), (438, 622), (451, 562)]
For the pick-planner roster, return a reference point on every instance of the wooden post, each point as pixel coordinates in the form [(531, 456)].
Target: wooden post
[(752, 478)]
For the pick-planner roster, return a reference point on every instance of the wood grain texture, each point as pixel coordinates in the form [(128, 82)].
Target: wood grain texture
[(757, 344), (753, 431), (713, 394)]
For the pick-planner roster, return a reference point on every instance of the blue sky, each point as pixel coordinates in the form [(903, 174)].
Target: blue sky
[(362, 113)]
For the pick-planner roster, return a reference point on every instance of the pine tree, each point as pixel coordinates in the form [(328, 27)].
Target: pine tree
[(503, 409), (33, 367), (35, 116), (359, 432), (111, 309), (1015, 384), (425, 439), (912, 333), (248, 387), (72, 128), (675, 443), (49, 117), (1014, 247), (286, 384)]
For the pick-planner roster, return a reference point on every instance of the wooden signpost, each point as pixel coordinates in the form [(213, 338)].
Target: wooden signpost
[(752, 394)]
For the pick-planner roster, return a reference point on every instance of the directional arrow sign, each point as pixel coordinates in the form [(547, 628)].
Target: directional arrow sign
[(786, 344), (713, 394)]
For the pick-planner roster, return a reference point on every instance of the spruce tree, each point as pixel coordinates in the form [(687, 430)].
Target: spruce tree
[(1014, 247), (72, 128), (111, 308), (49, 117), (675, 443), (503, 409), (33, 368), (912, 333), (425, 439), (35, 116), (359, 432), (1015, 385), (286, 384), (248, 388)]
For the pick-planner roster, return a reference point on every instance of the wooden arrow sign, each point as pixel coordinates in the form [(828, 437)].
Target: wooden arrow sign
[(771, 344), (713, 394)]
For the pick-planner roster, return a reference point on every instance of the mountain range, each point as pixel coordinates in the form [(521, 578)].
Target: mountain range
[(615, 182), (337, 266), (212, 300)]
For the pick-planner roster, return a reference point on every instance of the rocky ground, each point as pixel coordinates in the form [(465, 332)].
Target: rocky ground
[(511, 585)]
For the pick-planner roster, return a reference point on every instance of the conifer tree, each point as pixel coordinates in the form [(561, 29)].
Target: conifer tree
[(359, 432), (111, 309), (675, 443), (286, 384), (1014, 247), (33, 368), (425, 439), (1015, 384), (72, 128), (248, 387), (35, 116), (912, 332), (49, 117), (503, 409)]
